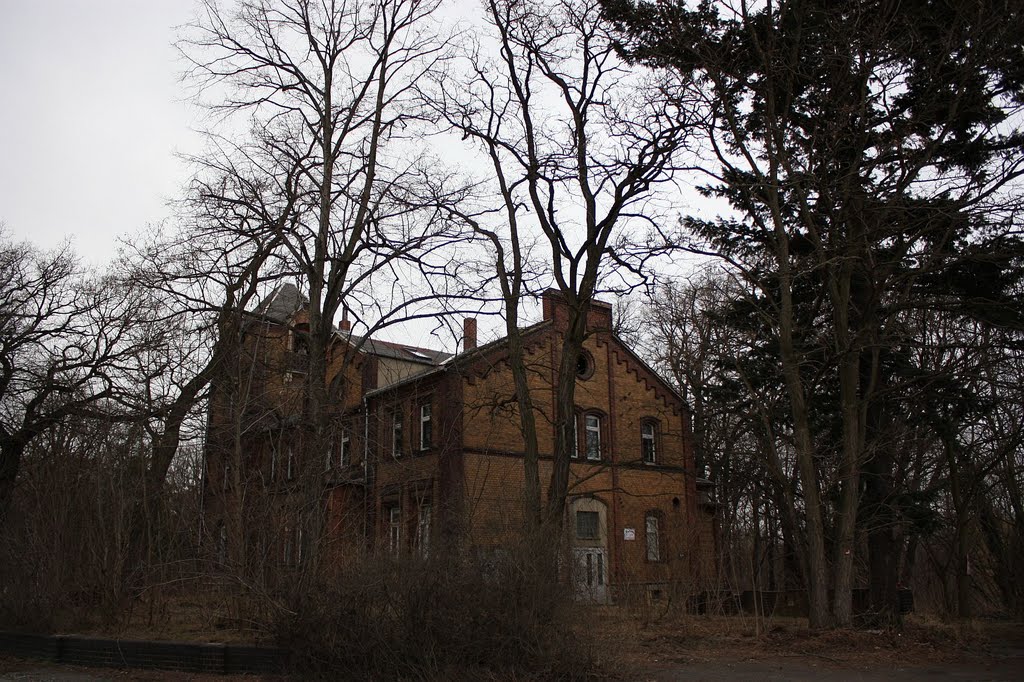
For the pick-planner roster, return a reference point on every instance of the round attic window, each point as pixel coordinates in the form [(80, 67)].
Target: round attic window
[(585, 365)]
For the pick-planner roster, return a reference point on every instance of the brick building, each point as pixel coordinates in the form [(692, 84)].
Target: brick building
[(426, 447)]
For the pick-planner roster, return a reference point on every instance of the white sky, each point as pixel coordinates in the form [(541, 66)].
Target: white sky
[(93, 115)]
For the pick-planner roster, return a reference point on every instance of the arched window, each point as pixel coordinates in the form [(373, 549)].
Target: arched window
[(649, 441)]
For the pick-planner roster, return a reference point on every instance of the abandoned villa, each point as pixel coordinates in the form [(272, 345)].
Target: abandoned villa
[(426, 447)]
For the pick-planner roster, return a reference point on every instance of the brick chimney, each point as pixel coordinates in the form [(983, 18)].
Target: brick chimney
[(345, 325), (468, 333), (555, 308)]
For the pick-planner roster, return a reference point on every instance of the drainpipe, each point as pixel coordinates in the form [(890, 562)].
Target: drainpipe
[(366, 460)]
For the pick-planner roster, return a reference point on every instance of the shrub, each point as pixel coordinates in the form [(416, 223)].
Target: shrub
[(447, 617)]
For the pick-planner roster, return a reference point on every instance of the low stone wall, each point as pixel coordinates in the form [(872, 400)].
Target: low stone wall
[(127, 653)]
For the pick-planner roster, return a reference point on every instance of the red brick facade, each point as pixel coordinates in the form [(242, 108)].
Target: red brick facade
[(429, 450)]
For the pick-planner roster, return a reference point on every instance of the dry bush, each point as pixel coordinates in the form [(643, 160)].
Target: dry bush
[(446, 617), (64, 544)]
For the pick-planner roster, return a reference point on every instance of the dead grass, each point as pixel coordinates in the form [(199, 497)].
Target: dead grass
[(683, 639)]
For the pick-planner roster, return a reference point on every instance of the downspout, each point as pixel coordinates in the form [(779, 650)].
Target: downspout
[(366, 461)]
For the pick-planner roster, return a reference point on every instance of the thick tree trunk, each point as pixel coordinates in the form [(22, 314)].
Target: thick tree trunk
[(11, 450), (817, 563), (528, 424)]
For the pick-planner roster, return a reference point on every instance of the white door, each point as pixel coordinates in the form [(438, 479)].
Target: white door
[(590, 575)]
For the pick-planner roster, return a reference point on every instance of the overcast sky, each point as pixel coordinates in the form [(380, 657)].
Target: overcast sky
[(93, 115)]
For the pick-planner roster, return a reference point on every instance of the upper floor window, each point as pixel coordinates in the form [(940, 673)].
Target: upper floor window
[(649, 441), (584, 365), (394, 517), (396, 433), (592, 434), (291, 463), (426, 426)]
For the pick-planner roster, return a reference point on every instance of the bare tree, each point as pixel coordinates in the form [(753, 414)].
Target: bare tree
[(576, 146), (65, 343)]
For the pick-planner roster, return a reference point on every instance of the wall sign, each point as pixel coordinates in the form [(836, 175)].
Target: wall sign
[(629, 533)]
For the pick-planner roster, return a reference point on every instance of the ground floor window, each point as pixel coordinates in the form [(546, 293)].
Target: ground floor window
[(423, 529), (652, 526), (394, 516)]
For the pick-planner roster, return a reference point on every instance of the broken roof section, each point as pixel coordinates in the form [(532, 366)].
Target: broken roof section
[(286, 299), (398, 351)]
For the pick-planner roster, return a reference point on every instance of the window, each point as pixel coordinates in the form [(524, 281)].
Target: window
[(426, 428), (329, 460), (396, 433), (588, 525), (291, 459), (227, 476), (394, 528), (273, 464), (648, 441), (423, 530), (584, 365), (592, 429), (344, 454), (653, 536)]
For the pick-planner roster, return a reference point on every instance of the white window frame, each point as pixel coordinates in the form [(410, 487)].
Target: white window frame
[(394, 529), (345, 455), (592, 430), (426, 425), (650, 438), (396, 434)]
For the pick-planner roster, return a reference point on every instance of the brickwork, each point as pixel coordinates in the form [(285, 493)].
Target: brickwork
[(458, 472)]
